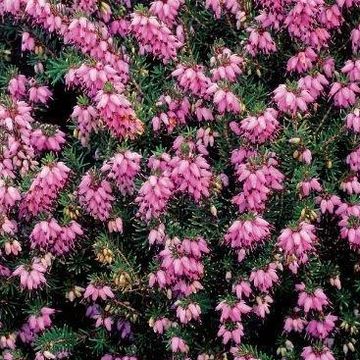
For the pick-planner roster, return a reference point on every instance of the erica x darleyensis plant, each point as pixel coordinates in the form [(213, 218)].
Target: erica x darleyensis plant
[(179, 179)]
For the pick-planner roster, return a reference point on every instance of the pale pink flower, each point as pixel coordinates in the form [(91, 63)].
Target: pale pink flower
[(344, 94), (154, 36), (123, 167), (314, 300), (39, 94), (192, 78), (232, 311), (292, 99), (352, 70), (260, 41), (94, 292), (262, 307), (247, 232), (310, 353), (264, 279), (353, 120), (258, 129), (187, 312), (323, 327), (328, 203), (226, 65), (303, 61), (294, 323), (27, 42), (160, 325), (308, 186), (115, 225), (178, 344), (95, 196), (350, 184), (231, 331)]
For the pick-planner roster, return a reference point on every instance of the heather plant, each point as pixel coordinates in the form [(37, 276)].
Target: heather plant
[(179, 179)]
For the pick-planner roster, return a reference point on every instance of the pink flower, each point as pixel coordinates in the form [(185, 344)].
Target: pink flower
[(115, 225), (232, 311), (178, 345), (305, 156), (331, 16), (39, 94), (94, 292), (335, 281), (292, 100), (310, 353), (259, 176), (181, 268), (176, 114), (355, 39), (352, 70), (9, 195), (17, 87), (351, 185), (247, 232), (154, 37), (260, 41), (157, 235), (226, 65), (205, 138), (153, 196), (295, 324), (353, 160), (231, 331), (192, 78), (344, 95), (160, 325), (262, 307), (27, 42), (87, 6), (187, 312), (225, 100), (302, 62), (166, 11), (313, 84), (191, 174), (104, 321), (12, 247), (328, 203), (298, 241), (93, 78), (315, 300), (95, 196), (44, 189), (322, 328), (328, 67), (350, 227), (308, 186), (7, 342), (117, 113), (41, 321), (86, 121), (47, 138), (226, 6), (242, 289), (123, 167), (353, 120), (32, 276), (265, 279), (258, 129), (49, 235)]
